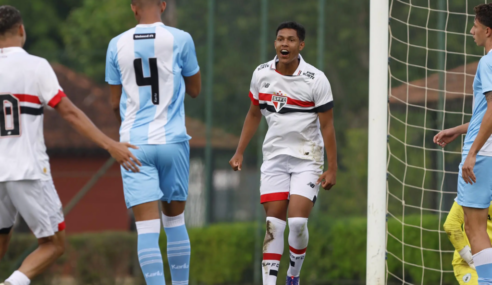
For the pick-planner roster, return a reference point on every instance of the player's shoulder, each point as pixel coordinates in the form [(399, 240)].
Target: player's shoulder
[(114, 41), (265, 68), (178, 34), (35, 62), (312, 74)]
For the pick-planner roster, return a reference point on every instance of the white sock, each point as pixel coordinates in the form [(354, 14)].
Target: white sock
[(298, 242), (273, 247), (18, 278), (171, 222)]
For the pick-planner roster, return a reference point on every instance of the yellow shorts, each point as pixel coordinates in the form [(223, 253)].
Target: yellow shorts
[(465, 275)]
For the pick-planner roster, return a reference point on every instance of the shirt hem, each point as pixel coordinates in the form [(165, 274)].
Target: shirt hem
[(157, 143), (110, 82), (271, 156)]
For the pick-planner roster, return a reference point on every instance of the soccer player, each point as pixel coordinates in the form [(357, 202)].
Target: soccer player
[(475, 181), (149, 69), (297, 102), (27, 85), (463, 266)]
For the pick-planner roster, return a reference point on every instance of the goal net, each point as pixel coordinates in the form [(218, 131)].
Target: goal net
[(433, 60)]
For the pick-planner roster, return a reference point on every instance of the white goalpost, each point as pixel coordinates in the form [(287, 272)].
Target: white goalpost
[(378, 99), (422, 65)]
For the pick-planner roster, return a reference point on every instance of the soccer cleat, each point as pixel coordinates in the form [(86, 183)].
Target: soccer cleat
[(292, 280)]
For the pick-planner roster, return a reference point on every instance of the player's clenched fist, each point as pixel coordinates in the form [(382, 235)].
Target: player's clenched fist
[(328, 179), (236, 162), (121, 153)]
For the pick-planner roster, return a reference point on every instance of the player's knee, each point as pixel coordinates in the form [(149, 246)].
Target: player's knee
[(298, 226), (55, 246)]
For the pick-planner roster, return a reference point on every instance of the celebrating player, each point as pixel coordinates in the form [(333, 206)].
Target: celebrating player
[(27, 84), (475, 181), (463, 266), (297, 102), (149, 69)]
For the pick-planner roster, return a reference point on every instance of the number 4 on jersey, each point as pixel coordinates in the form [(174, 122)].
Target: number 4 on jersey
[(9, 116), (152, 81)]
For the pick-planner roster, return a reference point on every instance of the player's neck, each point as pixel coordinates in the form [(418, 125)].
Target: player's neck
[(488, 46), (288, 68), (10, 42), (151, 18)]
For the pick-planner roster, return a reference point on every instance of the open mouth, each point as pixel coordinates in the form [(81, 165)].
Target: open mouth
[(284, 52)]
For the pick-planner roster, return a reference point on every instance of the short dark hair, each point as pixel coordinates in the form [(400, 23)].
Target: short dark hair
[(146, 2), (483, 13), (10, 18), (301, 31)]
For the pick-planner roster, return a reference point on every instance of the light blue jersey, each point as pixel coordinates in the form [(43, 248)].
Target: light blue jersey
[(150, 61), (481, 85)]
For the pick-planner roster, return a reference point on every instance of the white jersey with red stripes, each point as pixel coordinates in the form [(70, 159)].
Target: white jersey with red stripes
[(291, 105), (27, 84)]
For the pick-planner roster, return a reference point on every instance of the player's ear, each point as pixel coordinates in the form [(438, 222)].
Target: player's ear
[(302, 44), (163, 6)]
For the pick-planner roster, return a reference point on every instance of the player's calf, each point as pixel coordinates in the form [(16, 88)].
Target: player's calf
[(273, 248), (178, 248), (149, 253), (298, 242)]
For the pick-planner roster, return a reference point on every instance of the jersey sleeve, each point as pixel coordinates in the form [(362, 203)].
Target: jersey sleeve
[(486, 75), (49, 91), (254, 90), (188, 57), (323, 97), (452, 227), (113, 75)]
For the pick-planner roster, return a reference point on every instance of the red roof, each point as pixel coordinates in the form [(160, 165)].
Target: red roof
[(93, 100), (458, 85)]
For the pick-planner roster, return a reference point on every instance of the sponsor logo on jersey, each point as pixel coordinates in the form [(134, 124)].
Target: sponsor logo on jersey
[(467, 278), (265, 65), (309, 74), (311, 184), (154, 274), (144, 36), (266, 85), (279, 100)]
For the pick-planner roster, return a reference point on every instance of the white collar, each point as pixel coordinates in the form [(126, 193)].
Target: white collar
[(10, 50), (298, 70), (150, 25)]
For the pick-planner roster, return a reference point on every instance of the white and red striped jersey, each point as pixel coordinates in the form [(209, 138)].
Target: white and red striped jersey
[(27, 84), (291, 105)]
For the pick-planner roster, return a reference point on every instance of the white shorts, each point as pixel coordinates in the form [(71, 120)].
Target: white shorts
[(36, 201), (286, 175)]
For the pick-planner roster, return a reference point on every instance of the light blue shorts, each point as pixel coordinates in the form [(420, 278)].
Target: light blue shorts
[(477, 195), (163, 175)]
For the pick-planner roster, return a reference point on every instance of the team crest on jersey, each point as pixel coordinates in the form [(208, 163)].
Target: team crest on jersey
[(279, 100)]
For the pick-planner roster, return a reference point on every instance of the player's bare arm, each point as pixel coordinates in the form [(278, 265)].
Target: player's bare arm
[(116, 91), (251, 123), (444, 137), (483, 135), (193, 84), (329, 178), (78, 120)]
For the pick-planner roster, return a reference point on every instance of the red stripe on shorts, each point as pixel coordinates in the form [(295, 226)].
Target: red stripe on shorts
[(280, 196), (61, 226), (272, 256), (297, 251)]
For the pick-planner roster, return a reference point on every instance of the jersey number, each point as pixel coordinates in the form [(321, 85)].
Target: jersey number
[(9, 116), (152, 81)]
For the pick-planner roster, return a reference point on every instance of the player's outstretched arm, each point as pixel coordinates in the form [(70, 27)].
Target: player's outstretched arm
[(329, 178), (79, 121), (251, 123), (446, 136), (193, 84), (482, 137), (452, 227)]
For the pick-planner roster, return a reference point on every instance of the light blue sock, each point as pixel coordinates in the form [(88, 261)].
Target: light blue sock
[(483, 263), (178, 248), (149, 253)]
